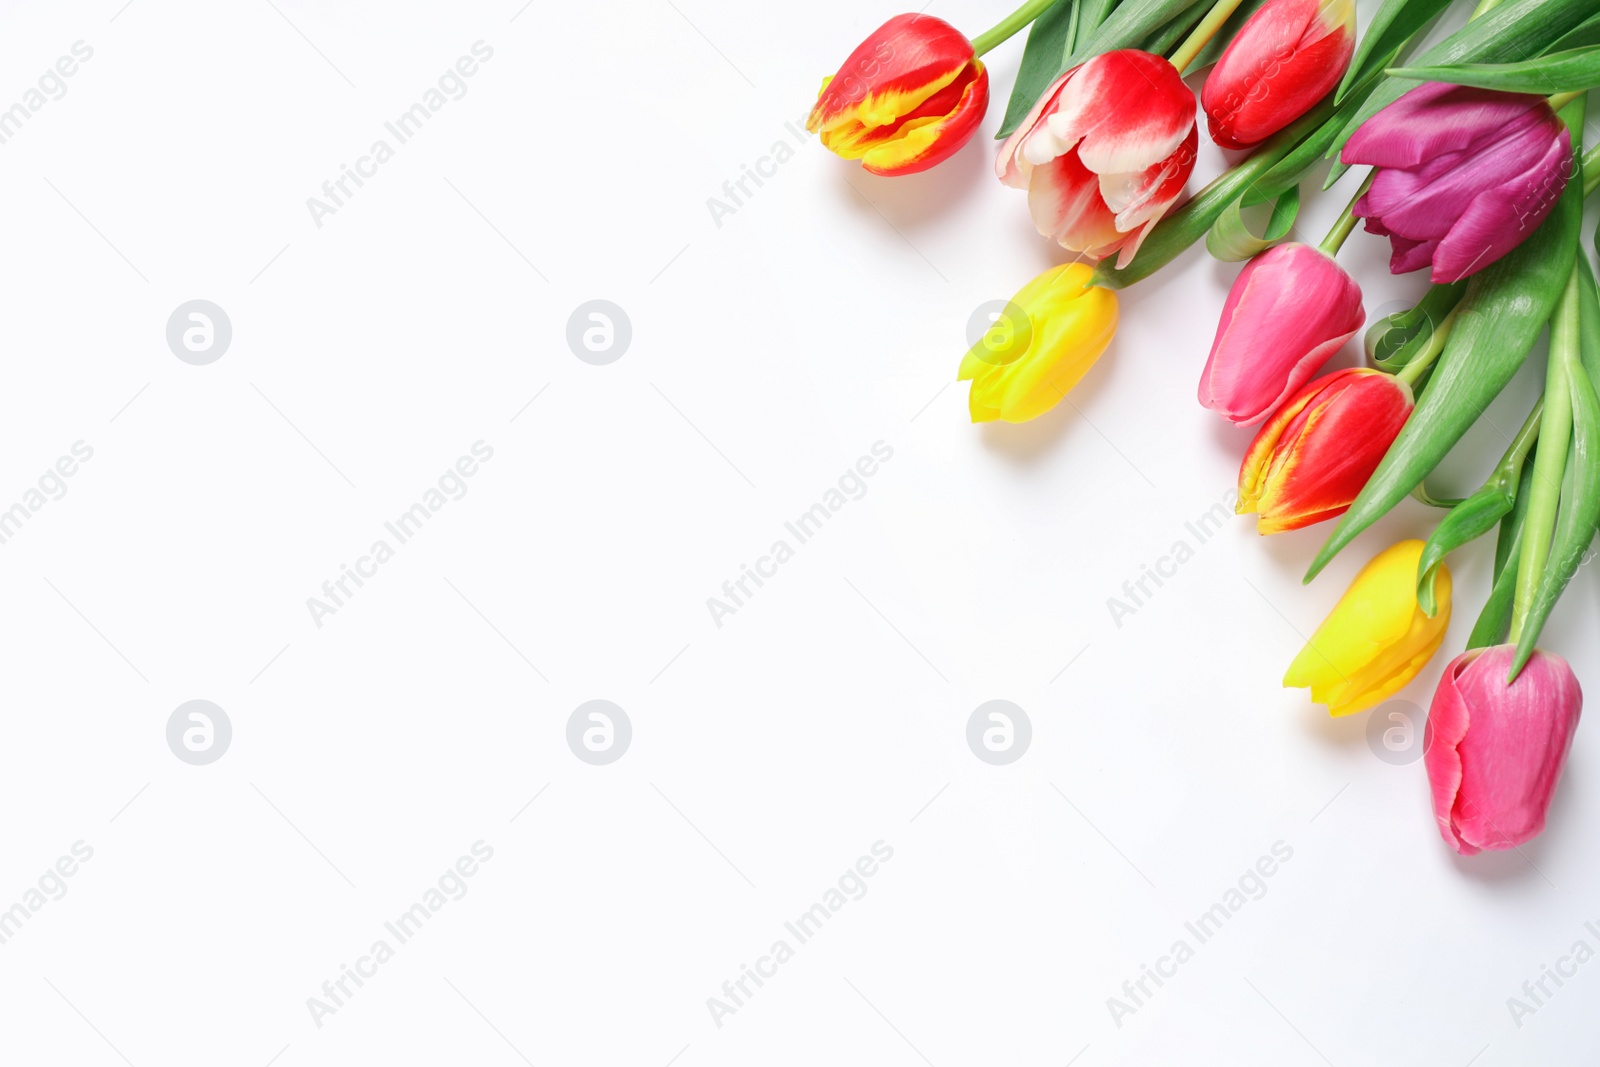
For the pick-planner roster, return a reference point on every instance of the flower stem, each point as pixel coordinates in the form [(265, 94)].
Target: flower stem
[(1008, 26), (1202, 34), (1483, 8), (1347, 221), (1550, 462), (1561, 100), (1430, 352), (1591, 169)]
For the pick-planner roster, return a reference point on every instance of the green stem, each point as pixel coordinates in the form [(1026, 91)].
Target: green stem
[(1591, 169), (1561, 100), (1430, 352), (1483, 8), (1347, 221), (1220, 12), (1008, 26), (1550, 462), (1509, 470)]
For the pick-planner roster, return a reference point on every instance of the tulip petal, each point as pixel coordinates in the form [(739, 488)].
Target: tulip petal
[(925, 140), (1125, 110)]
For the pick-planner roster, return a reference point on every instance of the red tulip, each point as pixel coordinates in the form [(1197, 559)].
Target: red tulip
[(907, 98), (1494, 751), (1289, 55), (1316, 454), (1104, 153), (1288, 311)]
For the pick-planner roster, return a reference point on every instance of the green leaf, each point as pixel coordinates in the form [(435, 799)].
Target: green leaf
[(1467, 521), (1393, 341), (1490, 628), (1582, 37), (1130, 23), (1589, 318), (1501, 315), (1230, 239), (1580, 510), (1559, 72), (1166, 39), (1391, 27), (1049, 41), (1230, 29), (1512, 31)]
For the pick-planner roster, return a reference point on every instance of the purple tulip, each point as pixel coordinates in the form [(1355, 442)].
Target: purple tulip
[(1465, 175)]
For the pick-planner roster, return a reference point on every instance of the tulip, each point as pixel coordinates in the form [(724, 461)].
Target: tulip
[(1065, 324), (1465, 175), (907, 98), (1104, 153), (1377, 638), (1494, 751), (1289, 55), (1311, 459), (1290, 309)]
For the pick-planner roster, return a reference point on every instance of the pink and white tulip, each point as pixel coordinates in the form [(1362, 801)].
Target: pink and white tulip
[(1494, 752), (1290, 309), (1105, 153), (1465, 175), (1286, 57)]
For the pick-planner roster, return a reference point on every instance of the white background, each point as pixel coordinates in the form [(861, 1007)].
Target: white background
[(768, 353)]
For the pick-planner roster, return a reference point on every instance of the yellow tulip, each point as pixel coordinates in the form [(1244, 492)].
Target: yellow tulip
[(1376, 639), (1046, 340)]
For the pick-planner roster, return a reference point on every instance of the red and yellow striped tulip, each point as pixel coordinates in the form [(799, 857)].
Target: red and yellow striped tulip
[(907, 98), (1311, 459)]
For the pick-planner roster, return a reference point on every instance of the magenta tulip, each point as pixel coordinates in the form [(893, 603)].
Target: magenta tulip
[(1290, 309), (1465, 175), (1494, 751)]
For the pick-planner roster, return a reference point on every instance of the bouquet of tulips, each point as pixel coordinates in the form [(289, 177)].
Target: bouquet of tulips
[(1476, 171)]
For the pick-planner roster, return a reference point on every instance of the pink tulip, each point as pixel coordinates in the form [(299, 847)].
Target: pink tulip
[(1286, 57), (1465, 175), (1494, 751), (1104, 153), (1290, 309)]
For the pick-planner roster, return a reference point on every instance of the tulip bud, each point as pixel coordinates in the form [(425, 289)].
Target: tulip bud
[(1310, 460), (1066, 324), (1104, 153), (1376, 638), (1464, 175), (1493, 751), (1290, 309), (907, 98), (1286, 57)]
